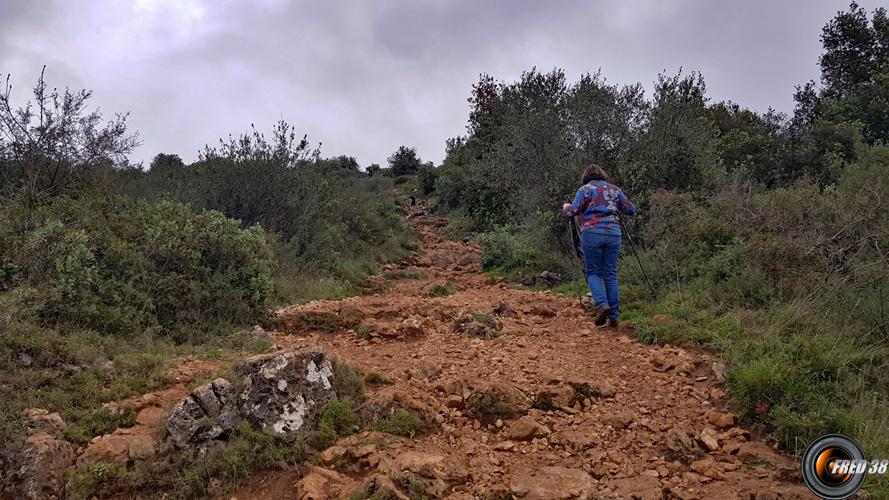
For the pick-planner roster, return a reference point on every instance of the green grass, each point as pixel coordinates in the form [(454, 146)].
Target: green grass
[(377, 378), (184, 475), (402, 422), (342, 275), (791, 368), (485, 319), (348, 381), (363, 331), (571, 289), (405, 274), (248, 449), (796, 366), (415, 487), (74, 375), (99, 422)]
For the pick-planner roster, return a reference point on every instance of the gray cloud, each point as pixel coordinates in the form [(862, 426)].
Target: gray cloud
[(363, 77)]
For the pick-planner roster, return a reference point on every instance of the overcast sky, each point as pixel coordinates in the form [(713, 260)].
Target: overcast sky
[(365, 76)]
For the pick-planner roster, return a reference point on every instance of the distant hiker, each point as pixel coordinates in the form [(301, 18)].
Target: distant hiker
[(597, 203), (413, 197)]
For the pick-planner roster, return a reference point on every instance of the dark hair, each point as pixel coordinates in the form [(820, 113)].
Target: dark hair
[(594, 173)]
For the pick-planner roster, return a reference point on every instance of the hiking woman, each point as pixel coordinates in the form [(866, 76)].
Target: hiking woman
[(597, 203)]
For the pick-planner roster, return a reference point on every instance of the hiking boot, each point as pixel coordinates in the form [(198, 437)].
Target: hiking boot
[(613, 323), (602, 315)]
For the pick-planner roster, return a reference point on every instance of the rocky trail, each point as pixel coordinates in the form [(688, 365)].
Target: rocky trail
[(522, 398), (527, 398)]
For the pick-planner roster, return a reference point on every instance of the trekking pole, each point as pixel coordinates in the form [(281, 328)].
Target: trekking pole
[(574, 233), (578, 252), (636, 253)]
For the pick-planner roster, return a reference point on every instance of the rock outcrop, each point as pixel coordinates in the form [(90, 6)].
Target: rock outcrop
[(285, 391), (208, 412), (41, 465)]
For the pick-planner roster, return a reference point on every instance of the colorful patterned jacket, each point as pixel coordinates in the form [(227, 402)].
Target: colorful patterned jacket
[(597, 203)]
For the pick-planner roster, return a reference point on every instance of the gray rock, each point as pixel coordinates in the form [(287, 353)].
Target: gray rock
[(548, 279), (286, 391), (229, 417), (184, 421), (25, 359), (208, 412), (505, 310), (259, 333)]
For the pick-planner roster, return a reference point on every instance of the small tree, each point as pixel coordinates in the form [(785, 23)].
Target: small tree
[(54, 144), (404, 161), (164, 162), (372, 169), (426, 178)]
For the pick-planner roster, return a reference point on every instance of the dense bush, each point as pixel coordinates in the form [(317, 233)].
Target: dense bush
[(426, 176), (108, 272), (766, 236), (792, 242), (118, 266), (404, 161), (519, 251), (789, 286), (330, 222)]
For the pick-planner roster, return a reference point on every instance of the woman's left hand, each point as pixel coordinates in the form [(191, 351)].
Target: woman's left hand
[(565, 206)]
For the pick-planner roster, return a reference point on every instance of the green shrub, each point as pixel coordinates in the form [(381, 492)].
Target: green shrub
[(459, 226), (426, 176), (414, 486), (86, 480), (519, 252), (248, 450), (322, 438), (119, 266), (488, 407), (99, 422), (339, 416), (348, 381), (401, 422), (363, 331), (377, 378), (183, 474), (485, 319), (441, 289)]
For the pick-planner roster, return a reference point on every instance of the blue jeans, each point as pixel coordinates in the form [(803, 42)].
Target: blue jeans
[(600, 252)]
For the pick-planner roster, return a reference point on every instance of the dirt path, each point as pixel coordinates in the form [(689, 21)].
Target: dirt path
[(615, 418)]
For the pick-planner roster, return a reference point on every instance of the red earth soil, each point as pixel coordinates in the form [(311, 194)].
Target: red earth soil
[(613, 419)]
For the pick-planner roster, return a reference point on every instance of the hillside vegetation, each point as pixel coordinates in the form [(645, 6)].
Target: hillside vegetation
[(766, 235), (109, 271)]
